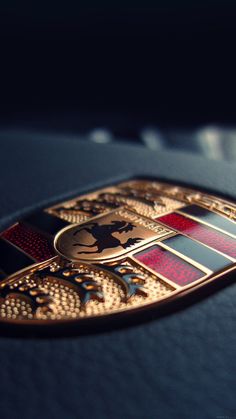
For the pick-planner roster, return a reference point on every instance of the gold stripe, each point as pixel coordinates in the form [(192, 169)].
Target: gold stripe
[(203, 244), (168, 281), (155, 240), (192, 217), (156, 274), (197, 265)]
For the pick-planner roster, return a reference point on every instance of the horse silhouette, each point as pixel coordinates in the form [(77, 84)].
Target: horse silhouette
[(102, 233)]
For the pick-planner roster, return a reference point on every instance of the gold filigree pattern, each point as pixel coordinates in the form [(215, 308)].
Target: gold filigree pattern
[(119, 255), (54, 292), (147, 198), (146, 203), (185, 195)]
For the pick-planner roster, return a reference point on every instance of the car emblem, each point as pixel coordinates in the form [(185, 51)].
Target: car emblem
[(136, 245)]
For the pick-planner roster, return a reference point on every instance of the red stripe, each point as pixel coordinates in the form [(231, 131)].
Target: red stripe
[(31, 242), (204, 234), (169, 265)]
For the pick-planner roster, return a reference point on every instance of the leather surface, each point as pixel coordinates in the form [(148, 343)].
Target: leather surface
[(181, 365)]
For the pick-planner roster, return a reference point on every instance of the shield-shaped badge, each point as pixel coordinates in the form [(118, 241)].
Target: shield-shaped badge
[(134, 245)]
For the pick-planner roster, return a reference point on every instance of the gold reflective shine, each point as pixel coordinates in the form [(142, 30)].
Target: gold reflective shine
[(96, 272), (107, 237)]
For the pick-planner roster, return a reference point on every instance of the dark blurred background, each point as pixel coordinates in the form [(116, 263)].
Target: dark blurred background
[(158, 73)]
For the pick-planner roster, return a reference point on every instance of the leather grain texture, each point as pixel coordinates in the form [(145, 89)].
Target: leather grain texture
[(181, 365)]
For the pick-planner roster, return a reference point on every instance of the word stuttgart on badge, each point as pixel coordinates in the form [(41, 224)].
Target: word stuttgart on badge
[(116, 250)]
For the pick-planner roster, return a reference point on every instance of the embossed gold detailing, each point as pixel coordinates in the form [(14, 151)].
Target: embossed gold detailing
[(98, 270), (186, 195), (148, 198), (145, 203), (62, 290), (84, 208), (108, 236)]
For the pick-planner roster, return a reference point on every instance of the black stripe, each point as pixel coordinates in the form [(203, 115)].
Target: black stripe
[(45, 222), (2, 275), (12, 259), (211, 218), (198, 252)]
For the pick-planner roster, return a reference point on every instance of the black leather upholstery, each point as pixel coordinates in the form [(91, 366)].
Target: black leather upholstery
[(181, 365)]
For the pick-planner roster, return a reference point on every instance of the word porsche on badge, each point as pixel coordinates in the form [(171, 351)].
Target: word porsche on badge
[(122, 248)]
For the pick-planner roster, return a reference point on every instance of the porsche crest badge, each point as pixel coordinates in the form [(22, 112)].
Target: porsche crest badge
[(134, 245)]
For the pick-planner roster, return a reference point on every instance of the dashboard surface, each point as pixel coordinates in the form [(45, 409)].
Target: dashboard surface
[(180, 364)]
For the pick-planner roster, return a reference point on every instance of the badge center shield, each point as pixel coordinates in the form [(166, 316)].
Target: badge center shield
[(108, 237)]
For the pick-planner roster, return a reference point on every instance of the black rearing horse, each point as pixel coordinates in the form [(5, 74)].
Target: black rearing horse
[(102, 233)]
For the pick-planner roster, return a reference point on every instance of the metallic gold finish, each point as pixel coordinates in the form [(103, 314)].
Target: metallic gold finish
[(133, 195), (62, 290), (109, 236), (96, 272)]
